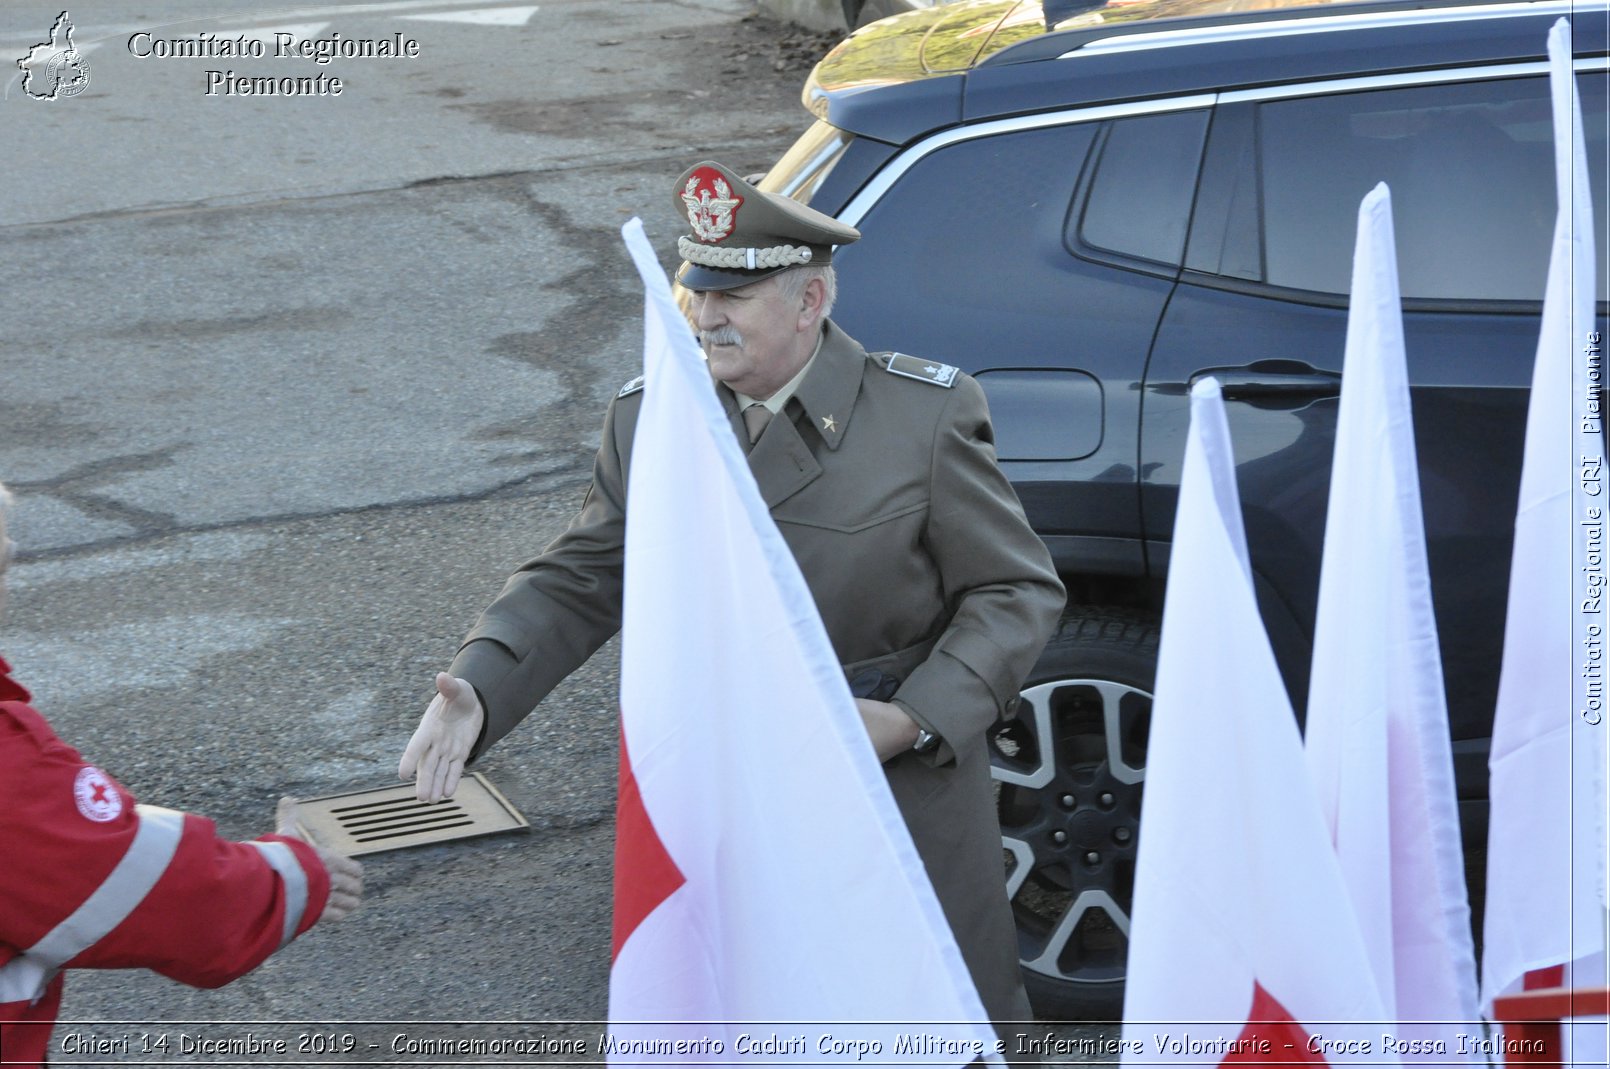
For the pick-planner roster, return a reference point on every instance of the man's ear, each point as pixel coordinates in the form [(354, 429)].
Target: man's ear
[(810, 304)]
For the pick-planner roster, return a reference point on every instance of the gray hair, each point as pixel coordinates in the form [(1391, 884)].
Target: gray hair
[(791, 284)]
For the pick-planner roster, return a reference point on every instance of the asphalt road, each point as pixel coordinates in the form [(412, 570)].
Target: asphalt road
[(290, 384)]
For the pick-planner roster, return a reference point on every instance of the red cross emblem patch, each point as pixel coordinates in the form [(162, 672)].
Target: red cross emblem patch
[(98, 799)]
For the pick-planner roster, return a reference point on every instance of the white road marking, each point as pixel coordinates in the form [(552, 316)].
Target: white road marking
[(486, 16), (298, 32), (83, 33)]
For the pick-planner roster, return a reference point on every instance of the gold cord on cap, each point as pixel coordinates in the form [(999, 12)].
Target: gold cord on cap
[(742, 259)]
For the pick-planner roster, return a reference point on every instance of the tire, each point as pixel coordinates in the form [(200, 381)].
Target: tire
[(1069, 766)]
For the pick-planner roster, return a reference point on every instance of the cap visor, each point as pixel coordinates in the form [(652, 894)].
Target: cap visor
[(701, 278)]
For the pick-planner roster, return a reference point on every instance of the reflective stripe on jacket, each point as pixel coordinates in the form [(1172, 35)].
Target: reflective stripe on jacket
[(93, 880), (24, 977)]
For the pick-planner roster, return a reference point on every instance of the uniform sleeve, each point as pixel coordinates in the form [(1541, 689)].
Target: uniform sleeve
[(558, 609), (94, 880), (994, 570)]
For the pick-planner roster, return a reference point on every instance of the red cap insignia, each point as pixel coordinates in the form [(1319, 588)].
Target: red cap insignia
[(98, 799), (712, 205)]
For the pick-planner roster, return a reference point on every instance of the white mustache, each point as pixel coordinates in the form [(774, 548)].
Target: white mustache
[(723, 336)]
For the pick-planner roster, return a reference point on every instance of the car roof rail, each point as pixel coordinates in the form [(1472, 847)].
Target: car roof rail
[(1193, 28)]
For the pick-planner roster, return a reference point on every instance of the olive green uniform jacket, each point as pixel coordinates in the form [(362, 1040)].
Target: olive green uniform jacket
[(920, 561)]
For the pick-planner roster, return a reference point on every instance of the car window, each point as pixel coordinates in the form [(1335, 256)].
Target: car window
[(1471, 170), (1140, 195), (969, 223)]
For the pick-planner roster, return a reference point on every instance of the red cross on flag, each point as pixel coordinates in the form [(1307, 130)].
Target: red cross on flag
[(1377, 732), (1546, 844), (767, 891), (1243, 948)]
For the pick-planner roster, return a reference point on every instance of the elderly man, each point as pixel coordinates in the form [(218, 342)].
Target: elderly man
[(880, 473), (94, 881)]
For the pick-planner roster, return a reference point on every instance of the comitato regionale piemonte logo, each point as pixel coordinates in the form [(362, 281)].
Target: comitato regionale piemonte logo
[(54, 69)]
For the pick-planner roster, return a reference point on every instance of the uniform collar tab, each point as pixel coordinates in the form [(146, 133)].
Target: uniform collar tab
[(828, 393)]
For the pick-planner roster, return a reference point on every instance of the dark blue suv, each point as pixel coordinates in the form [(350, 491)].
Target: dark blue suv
[(1091, 216)]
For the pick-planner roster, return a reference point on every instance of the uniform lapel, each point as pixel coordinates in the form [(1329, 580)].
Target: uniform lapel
[(735, 419), (782, 463), (782, 460)]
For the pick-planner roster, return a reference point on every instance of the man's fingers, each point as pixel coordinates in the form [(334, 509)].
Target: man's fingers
[(439, 773), (425, 780), (444, 775), (338, 905), (419, 749), (344, 868), (460, 698), (346, 884), (419, 743), (410, 759), (455, 771), (336, 910), (435, 756)]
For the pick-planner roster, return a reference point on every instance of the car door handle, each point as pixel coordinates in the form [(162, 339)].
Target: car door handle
[(1273, 378)]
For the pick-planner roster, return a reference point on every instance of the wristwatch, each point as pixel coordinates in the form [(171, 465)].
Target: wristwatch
[(927, 741)]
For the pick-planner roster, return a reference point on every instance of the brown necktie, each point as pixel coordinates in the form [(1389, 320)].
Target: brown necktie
[(756, 416)]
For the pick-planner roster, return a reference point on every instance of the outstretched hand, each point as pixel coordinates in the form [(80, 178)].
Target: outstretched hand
[(441, 745), (346, 875)]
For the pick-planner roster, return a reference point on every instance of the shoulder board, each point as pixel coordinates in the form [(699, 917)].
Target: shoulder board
[(631, 387), (930, 371)]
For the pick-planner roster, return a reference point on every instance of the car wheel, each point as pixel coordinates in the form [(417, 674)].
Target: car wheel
[(1069, 766)]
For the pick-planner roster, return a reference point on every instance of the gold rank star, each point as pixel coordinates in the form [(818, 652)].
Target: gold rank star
[(828, 424)]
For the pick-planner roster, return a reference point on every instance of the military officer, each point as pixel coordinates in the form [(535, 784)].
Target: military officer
[(880, 472)]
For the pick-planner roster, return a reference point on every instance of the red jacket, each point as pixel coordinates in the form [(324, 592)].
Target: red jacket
[(92, 880)]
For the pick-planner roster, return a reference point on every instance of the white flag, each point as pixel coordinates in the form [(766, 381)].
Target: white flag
[(1546, 844), (1243, 944), (1377, 737), (770, 905)]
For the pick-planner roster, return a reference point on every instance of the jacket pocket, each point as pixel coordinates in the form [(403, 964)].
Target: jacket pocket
[(844, 525)]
